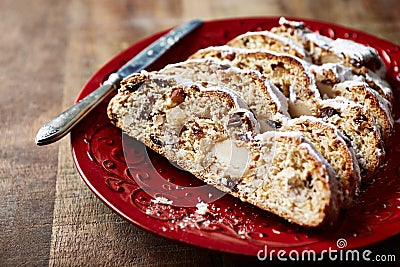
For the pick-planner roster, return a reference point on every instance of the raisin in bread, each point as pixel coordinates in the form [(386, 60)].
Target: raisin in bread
[(323, 49), (266, 102), (209, 132), (333, 146), (291, 75)]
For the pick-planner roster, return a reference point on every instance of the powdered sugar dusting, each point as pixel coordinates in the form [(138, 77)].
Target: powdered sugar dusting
[(162, 200)]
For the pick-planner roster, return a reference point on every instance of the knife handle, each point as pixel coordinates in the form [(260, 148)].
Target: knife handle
[(62, 124)]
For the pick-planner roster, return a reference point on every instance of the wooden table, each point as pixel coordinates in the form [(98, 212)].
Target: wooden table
[(48, 50)]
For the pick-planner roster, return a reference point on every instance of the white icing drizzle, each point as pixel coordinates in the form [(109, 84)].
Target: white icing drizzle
[(293, 24), (352, 49), (340, 103), (267, 136), (383, 84), (278, 97), (341, 72)]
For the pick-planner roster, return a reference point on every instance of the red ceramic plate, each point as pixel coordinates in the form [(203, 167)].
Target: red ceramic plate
[(126, 176)]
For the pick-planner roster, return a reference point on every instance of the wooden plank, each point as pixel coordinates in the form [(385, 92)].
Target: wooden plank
[(32, 67)]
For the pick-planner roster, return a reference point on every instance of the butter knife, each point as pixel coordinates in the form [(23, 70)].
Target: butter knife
[(62, 124)]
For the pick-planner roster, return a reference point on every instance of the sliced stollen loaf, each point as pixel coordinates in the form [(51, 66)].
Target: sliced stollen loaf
[(329, 72), (289, 74), (323, 136), (266, 40), (267, 103), (323, 49), (333, 146), (328, 75), (352, 120), (202, 128), (303, 94)]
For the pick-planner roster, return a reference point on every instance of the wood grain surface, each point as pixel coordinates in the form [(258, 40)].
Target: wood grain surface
[(48, 50)]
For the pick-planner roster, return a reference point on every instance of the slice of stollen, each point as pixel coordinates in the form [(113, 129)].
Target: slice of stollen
[(323, 49), (291, 75), (329, 74), (355, 123), (166, 109), (334, 80), (266, 40), (209, 132), (267, 103), (292, 180), (361, 93), (333, 146)]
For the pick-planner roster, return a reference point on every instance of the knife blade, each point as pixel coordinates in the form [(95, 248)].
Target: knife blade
[(62, 124)]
